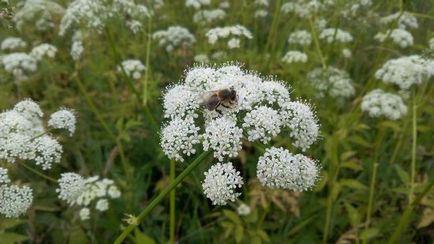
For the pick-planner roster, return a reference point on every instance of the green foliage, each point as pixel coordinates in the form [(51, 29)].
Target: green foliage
[(118, 139)]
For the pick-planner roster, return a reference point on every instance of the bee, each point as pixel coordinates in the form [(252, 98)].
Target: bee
[(224, 97)]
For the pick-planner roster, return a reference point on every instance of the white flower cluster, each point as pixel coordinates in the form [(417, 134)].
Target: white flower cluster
[(133, 68), (94, 13), (331, 81), (179, 137), (401, 37), (43, 50), (63, 119), (4, 178), (379, 103), (294, 57), (233, 32), (197, 4), (333, 34), (259, 110), (354, 7), (305, 8), (243, 210), (15, 200), (174, 37), (77, 47), (221, 182), (208, 16), (261, 10), (405, 21), (406, 71), (278, 168), (18, 64), (40, 13), (12, 43), (76, 190), (301, 37), (22, 135)]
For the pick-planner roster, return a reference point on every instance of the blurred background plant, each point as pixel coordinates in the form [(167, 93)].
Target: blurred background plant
[(376, 156)]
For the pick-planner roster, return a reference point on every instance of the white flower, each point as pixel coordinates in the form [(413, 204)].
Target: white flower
[(234, 43), (43, 50), (303, 123), (47, 151), (179, 137), (262, 123), (301, 37), (331, 34), (201, 58), (278, 168), (84, 214), (180, 101), (400, 37), (29, 109), (431, 43), (347, 53), (18, 64), (221, 182), (174, 37), (406, 71), (93, 14), (12, 43), (15, 200), (223, 136), (77, 47), (261, 13), (38, 13), (63, 119), (208, 16), (406, 20), (114, 192), (243, 210), (331, 81), (71, 186), (294, 57), (133, 68), (102, 205), (379, 103), (303, 8), (197, 4), (233, 32), (4, 178)]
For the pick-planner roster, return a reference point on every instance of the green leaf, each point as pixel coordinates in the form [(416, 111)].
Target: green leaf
[(239, 233), (352, 165), (142, 238), (369, 233), (77, 236), (353, 214), (10, 223), (12, 238), (263, 235), (402, 174), (232, 216), (353, 184)]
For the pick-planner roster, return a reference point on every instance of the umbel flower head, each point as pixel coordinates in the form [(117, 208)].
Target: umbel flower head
[(379, 103), (219, 107), (76, 190)]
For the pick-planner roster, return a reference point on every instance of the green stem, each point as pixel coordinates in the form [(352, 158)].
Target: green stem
[(147, 62), (316, 41), (403, 222), (172, 203), (161, 196), (37, 172), (413, 153), (274, 22)]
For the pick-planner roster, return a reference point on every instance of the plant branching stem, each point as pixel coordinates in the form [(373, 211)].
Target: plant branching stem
[(161, 196), (172, 225)]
